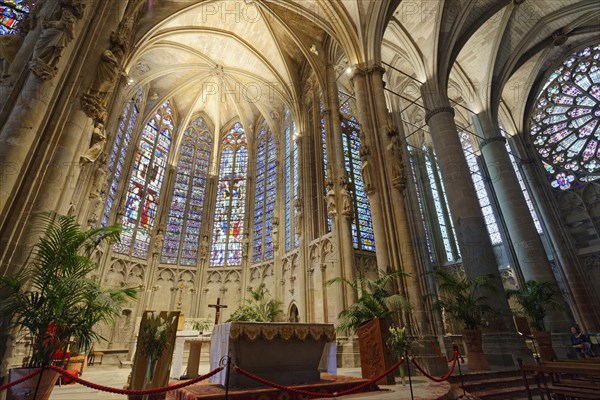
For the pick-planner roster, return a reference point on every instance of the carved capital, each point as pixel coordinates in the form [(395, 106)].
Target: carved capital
[(487, 141), (438, 111)]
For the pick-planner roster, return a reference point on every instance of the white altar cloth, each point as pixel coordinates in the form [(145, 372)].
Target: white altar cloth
[(221, 339)]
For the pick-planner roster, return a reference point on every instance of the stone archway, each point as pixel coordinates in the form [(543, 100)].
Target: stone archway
[(293, 314)]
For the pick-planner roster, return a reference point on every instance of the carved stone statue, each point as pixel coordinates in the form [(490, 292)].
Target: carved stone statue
[(366, 169), (49, 47), (330, 200), (204, 247), (95, 101), (97, 144), (275, 233), (346, 197), (299, 213), (245, 245), (394, 150), (9, 46), (95, 196), (159, 239)]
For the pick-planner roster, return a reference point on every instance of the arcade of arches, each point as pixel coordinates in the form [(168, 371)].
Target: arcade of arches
[(287, 142)]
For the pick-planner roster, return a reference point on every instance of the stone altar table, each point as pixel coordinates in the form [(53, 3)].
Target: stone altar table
[(285, 353)]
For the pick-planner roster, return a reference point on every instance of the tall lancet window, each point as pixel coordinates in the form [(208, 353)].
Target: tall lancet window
[(118, 152), (325, 158), (184, 222), (362, 226), (438, 195), (290, 180), (266, 191), (228, 230), (143, 192), (482, 196), (11, 13)]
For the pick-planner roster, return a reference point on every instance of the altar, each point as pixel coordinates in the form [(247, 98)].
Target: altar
[(284, 353)]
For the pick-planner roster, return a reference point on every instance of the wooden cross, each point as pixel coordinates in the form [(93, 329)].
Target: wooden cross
[(218, 306)]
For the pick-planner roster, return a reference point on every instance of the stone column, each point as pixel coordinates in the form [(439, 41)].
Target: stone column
[(502, 342), (21, 132), (392, 234), (338, 183), (583, 295), (526, 242)]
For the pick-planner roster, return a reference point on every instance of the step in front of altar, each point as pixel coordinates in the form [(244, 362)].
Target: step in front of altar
[(327, 384)]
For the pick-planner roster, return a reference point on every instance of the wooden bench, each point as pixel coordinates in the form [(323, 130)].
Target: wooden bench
[(566, 379), (91, 360)]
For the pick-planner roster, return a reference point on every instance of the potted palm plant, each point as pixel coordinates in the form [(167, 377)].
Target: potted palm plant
[(258, 308), (378, 307), (53, 301), (534, 300), (465, 300)]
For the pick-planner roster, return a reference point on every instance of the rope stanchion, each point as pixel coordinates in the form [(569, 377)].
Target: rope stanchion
[(412, 395), (435, 378), (316, 394), (102, 388), (20, 380)]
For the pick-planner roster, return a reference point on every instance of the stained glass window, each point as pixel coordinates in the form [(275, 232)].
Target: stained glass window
[(421, 209), (437, 203), (143, 192), (536, 220), (266, 191), (118, 152), (290, 180), (325, 159), (362, 227), (565, 125), (480, 189), (184, 222), (11, 13), (228, 230)]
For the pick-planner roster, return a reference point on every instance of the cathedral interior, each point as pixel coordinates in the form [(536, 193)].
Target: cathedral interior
[(289, 142)]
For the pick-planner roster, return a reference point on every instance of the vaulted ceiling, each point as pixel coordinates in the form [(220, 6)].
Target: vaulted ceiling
[(245, 58)]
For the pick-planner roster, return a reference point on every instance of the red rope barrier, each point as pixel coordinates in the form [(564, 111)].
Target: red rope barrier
[(439, 354), (134, 392), (315, 394), (435, 378), (23, 379)]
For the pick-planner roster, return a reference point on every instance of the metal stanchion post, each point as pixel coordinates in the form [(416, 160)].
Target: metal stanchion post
[(462, 381), (227, 378), (412, 396)]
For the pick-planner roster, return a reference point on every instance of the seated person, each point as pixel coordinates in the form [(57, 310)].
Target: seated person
[(581, 343)]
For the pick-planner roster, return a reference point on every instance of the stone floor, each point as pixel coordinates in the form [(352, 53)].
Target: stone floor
[(111, 375)]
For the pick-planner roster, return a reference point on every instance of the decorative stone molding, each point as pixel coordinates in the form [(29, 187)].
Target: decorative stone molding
[(56, 34), (487, 141), (439, 110)]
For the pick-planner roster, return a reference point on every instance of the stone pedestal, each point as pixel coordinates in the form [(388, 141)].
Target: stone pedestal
[(177, 361), (194, 357)]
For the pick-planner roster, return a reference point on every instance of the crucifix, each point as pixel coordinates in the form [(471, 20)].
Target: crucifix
[(218, 307)]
